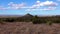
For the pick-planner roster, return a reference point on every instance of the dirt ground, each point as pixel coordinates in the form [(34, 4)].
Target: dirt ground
[(29, 28)]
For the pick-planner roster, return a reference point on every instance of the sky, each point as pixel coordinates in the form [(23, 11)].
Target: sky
[(34, 7)]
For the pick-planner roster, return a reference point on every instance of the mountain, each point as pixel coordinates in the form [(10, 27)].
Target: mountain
[(27, 16), (15, 15)]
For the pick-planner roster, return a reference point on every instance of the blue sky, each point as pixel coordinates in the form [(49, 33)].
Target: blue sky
[(34, 7)]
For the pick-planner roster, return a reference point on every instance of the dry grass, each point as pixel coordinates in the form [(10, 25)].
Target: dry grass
[(29, 28)]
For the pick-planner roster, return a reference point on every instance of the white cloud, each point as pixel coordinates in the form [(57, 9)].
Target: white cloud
[(46, 3), (51, 5), (45, 9), (49, 8), (37, 6), (37, 2), (12, 6), (16, 6)]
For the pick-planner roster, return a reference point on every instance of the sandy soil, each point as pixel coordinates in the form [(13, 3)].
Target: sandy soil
[(29, 28)]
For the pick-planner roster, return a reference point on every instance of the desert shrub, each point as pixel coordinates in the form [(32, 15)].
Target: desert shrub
[(49, 22), (10, 20), (57, 21), (35, 20), (1, 21)]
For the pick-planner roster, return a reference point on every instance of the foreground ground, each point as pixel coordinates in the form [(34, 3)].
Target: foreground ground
[(29, 28)]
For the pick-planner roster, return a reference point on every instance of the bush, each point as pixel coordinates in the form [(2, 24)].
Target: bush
[(35, 20), (1, 21), (49, 22), (10, 20), (57, 21)]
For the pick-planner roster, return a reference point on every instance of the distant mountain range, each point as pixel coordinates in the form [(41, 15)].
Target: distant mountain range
[(26, 15)]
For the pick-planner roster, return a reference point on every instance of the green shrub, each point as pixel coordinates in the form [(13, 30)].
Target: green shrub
[(1, 21), (49, 22), (35, 20)]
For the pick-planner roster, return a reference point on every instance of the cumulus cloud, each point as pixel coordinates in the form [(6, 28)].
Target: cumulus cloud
[(16, 6), (46, 3), (37, 6), (13, 5), (51, 5)]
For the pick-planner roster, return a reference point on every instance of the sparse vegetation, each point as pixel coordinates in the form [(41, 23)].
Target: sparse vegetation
[(1, 21), (34, 19), (29, 24), (49, 22)]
